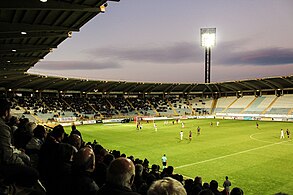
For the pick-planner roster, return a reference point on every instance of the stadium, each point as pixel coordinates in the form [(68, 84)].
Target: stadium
[(240, 121)]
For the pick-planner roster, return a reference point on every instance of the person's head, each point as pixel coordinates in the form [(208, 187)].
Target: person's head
[(30, 126), (40, 132), (197, 180), (138, 169), (226, 177), (58, 133), (166, 186), (214, 185), (84, 160), (75, 140), (236, 191), (73, 127), (108, 158), (121, 172), (5, 106)]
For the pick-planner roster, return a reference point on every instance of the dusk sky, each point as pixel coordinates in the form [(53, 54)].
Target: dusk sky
[(159, 41)]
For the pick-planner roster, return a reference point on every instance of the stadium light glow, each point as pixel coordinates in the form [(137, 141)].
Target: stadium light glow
[(208, 37)]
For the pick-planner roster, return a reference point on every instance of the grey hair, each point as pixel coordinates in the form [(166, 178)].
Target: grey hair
[(166, 186)]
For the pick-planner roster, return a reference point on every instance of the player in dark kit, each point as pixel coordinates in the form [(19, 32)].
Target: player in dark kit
[(190, 135), (288, 133), (198, 130)]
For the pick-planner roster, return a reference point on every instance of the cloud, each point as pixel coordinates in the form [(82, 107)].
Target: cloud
[(77, 65), (175, 53), (261, 57), (228, 53)]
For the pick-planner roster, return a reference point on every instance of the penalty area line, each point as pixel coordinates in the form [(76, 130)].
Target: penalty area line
[(228, 155)]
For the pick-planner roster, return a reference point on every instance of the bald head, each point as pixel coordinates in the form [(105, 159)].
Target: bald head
[(121, 172), (84, 160)]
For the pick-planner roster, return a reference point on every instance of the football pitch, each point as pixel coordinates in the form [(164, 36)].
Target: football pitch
[(255, 159)]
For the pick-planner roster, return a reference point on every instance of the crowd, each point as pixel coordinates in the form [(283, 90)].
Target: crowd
[(34, 160)]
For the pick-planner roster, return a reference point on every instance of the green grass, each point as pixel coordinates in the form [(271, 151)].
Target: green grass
[(254, 159)]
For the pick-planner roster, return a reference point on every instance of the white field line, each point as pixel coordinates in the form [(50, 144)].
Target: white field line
[(251, 137), (228, 155)]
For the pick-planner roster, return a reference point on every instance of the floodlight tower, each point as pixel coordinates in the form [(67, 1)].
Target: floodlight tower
[(208, 40)]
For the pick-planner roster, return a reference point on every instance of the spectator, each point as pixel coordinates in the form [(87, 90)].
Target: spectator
[(75, 141), (34, 145), (48, 154), (82, 168), (206, 192), (197, 185), (236, 191), (120, 177), (75, 131), (6, 152), (167, 186), (226, 186), (214, 187)]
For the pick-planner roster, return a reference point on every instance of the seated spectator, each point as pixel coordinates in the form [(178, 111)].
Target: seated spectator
[(188, 185), (214, 187), (120, 177), (6, 152), (75, 131), (197, 185), (48, 154), (21, 180), (82, 168), (100, 172), (166, 186), (75, 141), (34, 145), (206, 192), (139, 182)]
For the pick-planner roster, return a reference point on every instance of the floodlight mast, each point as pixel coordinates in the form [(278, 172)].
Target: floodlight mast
[(208, 40)]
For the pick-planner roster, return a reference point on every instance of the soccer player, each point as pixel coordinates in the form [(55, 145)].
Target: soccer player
[(198, 130), (182, 125), (288, 133), (257, 125), (218, 123), (190, 135), (181, 135), (282, 134), (155, 127), (164, 161)]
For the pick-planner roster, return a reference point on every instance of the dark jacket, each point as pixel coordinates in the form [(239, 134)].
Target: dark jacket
[(6, 151), (115, 190)]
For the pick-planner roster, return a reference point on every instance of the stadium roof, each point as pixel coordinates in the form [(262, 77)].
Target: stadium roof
[(30, 29)]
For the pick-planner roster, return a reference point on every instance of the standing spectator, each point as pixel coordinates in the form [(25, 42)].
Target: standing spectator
[(120, 177), (164, 161), (226, 186)]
